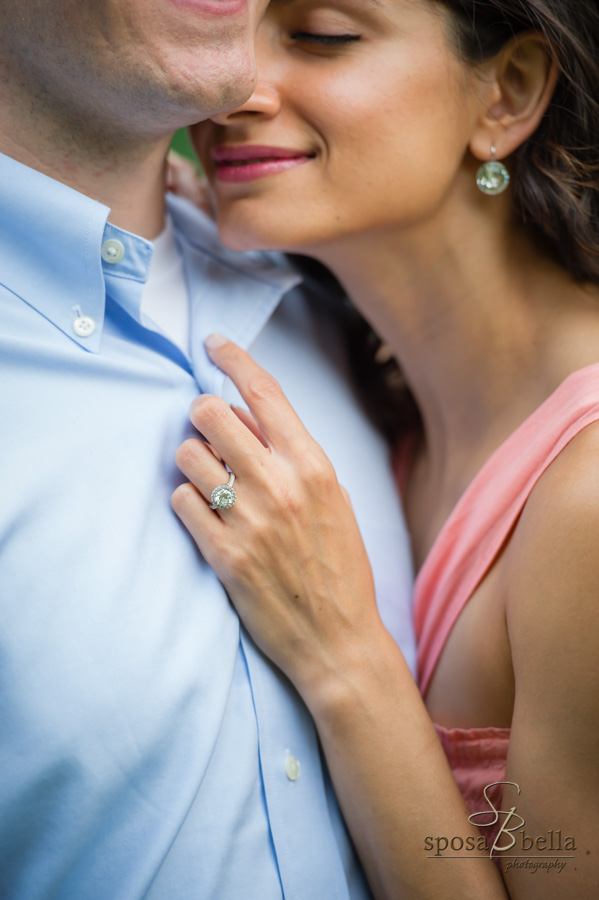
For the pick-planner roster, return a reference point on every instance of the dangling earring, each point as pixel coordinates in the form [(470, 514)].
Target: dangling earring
[(492, 177)]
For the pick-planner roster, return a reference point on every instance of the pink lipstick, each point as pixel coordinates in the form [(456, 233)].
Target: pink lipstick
[(248, 162)]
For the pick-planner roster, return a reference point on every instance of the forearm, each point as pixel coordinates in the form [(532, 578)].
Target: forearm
[(392, 778)]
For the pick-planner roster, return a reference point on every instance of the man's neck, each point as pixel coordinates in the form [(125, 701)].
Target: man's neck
[(128, 175)]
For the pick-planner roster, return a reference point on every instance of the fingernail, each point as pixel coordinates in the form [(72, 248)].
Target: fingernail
[(214, 341)]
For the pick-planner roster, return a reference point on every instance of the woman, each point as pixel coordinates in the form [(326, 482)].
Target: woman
[(362, 146)]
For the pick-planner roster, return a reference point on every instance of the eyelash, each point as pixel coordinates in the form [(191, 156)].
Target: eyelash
[(328, 39)]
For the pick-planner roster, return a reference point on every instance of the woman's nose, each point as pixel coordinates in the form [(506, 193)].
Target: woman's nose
[(265, 101)]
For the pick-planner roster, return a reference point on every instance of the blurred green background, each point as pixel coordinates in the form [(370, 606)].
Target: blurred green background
[(181, 144)]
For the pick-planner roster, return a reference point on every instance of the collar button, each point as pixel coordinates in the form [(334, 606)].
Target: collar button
[(112, 251), (84, 326)]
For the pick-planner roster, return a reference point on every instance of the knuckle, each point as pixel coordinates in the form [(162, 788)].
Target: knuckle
[(316, 467), (263, 386), (187, 453), (290, 497), (236, 562), (345, 495), (182, 497), (218, 553), (228, 560), (208, 410), (233, 352)]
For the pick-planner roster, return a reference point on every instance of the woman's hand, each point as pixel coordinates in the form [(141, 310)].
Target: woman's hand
[(291, 557), (289, 551)]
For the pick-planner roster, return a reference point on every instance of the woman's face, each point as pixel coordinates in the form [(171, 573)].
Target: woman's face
[(360, 121)]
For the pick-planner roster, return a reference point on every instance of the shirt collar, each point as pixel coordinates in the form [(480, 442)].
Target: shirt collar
[(231, 293), (52, 240)]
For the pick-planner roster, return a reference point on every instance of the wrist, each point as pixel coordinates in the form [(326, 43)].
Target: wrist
[(352, 681)]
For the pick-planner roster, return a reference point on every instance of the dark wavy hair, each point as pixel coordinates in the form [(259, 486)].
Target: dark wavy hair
[(555, 173)]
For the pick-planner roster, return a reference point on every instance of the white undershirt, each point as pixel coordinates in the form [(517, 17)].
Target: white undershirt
[(165, 299)]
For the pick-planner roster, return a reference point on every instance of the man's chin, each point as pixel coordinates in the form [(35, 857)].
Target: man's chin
[(211, 89)]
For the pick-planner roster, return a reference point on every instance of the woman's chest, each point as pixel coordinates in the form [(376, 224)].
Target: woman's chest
[(473, 682)]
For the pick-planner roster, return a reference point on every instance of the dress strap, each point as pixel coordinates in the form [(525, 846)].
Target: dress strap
[(484, 516)]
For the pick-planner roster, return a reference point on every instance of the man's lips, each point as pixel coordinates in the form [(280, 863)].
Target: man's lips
[(213, 7), (247, 162)]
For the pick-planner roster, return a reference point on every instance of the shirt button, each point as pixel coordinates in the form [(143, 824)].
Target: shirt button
[(112, 251), (292, 768), (84, 326)]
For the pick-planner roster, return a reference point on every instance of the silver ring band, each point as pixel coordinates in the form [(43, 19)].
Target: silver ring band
[(223, 496)]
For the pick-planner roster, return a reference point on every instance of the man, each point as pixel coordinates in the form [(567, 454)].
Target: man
[(147, 749)]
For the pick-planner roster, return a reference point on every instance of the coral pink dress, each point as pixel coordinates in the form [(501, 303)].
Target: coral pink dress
[(466, 548)]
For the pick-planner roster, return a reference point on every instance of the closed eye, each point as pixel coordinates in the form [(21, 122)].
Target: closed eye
[(328, 39)]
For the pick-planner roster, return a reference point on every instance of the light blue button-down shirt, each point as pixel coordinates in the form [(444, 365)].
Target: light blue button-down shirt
[(143, 738)]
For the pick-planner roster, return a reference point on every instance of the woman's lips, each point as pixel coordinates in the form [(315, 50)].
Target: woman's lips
[(246, 163)]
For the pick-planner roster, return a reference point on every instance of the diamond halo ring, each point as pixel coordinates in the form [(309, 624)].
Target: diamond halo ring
[(223, 496)]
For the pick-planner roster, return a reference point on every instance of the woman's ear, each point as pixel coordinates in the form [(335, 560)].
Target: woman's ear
[(517, 86)]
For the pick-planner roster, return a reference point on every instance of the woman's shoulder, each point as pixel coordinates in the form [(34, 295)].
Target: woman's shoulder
[(565, 432), (552, 565), (567, 493)]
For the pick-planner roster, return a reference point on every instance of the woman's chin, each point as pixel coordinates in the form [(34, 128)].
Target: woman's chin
[(245, 239), (240, 243)]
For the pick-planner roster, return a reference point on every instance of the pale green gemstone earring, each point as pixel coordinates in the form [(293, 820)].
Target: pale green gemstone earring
[(492, 178)]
